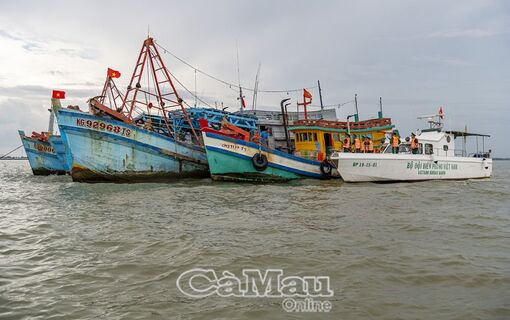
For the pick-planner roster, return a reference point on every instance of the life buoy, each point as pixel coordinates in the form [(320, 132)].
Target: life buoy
[(326, 168), (259, 161)]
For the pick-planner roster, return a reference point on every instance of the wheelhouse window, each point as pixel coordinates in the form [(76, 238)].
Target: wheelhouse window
[(315, 136), (429, 148)]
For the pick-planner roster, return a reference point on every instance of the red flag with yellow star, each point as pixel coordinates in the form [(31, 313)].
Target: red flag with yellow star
[(58, 94), (113, 73)]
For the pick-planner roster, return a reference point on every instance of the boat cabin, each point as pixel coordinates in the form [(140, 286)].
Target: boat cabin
[(313, 137), (434, 141)]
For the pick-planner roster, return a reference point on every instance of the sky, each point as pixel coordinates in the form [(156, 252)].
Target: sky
[(416, 55)]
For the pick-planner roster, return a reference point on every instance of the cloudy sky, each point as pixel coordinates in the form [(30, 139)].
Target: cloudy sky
[(417, 55)]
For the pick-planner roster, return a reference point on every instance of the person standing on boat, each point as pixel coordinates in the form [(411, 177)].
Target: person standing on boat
[(395, 142), (414, 144), (264, 137), (357, 144), (369, 145), (347, 144), (363, 140)]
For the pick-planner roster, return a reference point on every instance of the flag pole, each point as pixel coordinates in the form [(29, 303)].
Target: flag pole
[(356, 116), (320, 94)]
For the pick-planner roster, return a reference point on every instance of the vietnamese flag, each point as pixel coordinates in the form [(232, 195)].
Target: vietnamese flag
[(58, 94), (113, 73), (243, 103), (307, 94)]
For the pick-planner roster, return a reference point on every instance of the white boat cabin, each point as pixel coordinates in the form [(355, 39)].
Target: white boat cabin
[(434, 141)]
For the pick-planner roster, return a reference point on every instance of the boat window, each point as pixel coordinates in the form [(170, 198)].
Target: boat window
[(429, 149), (315, 136), (297, 137), (404, 148), (336, 137), (445, 147), (305, 137), (310, 136)]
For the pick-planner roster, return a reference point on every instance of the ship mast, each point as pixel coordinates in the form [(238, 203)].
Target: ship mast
[(113, 94), (166, 96)]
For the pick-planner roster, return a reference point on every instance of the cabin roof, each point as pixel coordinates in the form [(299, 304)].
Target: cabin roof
[(342, 125), (466, 134), (431, 135)]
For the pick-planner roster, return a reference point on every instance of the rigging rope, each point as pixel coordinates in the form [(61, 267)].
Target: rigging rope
[(335, 105), (232, 85), (189, 91), (226, 82), (8, 153)]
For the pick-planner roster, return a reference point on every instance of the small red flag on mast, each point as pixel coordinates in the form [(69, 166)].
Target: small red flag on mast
[(58, 94), (113, 73), (307, 94)]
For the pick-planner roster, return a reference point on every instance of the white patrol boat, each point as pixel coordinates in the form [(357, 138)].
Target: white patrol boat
[(435, 159)]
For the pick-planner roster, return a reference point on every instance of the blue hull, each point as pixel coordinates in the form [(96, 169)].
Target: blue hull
[(102, 149), (60, 150), (42, 156), (231, 159)]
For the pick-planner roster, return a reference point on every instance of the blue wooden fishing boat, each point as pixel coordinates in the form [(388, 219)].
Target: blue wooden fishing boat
[(42, 155), (115, 143), (234, 159), (106, 149), (45, 151)]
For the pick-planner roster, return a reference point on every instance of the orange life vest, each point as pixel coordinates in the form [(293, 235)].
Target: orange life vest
[(357, 144), (414, 143), (395, 141)]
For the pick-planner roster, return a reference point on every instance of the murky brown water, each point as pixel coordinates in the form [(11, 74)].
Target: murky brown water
[(433, 250)]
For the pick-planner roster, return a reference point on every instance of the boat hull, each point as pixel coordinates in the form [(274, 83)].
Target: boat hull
[(42, 156), (231, 160), (60, 150), (407, 167), (103, 149)]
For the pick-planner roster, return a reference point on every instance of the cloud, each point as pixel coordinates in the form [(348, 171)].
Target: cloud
[(50, 45), (8, 35), (86, 53)]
